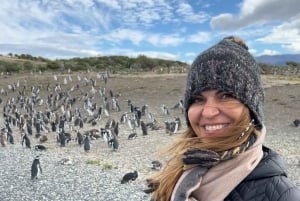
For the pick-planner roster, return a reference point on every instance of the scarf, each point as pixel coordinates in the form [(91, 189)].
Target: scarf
[(215, 175)]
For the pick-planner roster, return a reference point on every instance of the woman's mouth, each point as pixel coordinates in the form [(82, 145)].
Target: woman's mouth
[(214, 127)]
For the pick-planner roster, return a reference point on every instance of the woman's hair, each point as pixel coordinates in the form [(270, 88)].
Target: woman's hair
[(164, 181)]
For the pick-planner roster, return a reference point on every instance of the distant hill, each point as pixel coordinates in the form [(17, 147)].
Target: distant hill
[(278, 59)]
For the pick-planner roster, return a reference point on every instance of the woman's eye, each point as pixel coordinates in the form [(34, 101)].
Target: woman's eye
[(226, 96), (199, 99)]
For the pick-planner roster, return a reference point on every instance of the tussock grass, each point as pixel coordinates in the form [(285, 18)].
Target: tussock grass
[(103, 164)]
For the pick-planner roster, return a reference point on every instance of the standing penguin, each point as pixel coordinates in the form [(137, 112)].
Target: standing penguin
[(114, 144), (86, 144), (25, 140), (62, 139), (10, 138), (144, 128), (29, 128), (36, 168), (79, 138)]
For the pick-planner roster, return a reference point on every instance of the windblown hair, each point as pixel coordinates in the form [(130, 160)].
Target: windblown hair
[(163, 182)]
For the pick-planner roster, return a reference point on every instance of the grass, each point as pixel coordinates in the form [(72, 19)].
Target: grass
[(105, 165)]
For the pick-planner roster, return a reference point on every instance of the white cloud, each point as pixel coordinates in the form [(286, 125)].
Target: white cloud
[(252, 51), (186, 11), (68, 28), (190, 54), (118, 35), (164, 40), (269, 52), (286, 34), (137, 37), (200, 37), (257, 12), (114, 4)]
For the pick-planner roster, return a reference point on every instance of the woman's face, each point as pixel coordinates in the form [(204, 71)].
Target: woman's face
[(213, 112)]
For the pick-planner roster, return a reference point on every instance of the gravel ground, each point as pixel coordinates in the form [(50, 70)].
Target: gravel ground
[(78, 181), (101, 179)]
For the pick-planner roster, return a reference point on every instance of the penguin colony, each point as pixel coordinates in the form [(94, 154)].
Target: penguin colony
[(78, 110)]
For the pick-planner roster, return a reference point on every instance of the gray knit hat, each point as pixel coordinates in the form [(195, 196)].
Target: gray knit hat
[(229, 67)]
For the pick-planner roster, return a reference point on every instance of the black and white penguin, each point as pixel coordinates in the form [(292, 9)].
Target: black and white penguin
[(86, 144), (114, 144), (40, 147), (25, 140), (36, 168), (296, 122), (79, 138), (116, 129), (132, 136), (131, 176), (62, 139), (156, 165), (29, 128), (10, 138), (144, 128)]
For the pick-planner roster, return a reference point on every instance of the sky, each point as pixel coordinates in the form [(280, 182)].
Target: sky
[(167, 29)]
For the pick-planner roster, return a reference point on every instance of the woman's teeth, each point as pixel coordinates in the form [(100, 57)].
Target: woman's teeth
[(214, 127)]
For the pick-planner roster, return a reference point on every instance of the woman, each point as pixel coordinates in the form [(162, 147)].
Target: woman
[(221, 154)]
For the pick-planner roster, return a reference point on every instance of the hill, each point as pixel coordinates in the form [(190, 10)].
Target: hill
[(278, 59)]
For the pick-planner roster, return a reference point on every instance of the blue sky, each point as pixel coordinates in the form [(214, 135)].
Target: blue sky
[(168, 29)]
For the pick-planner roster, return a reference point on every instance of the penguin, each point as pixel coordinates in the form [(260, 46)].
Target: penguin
[(156, 165), (29, 128), (36, 168), (116, 129), (40, 147), (173, 127), (114, 144), (131, 176), (86, 144), (81, 123), (79, 138), (132, 136), (10, 138), (144, 128), (62, 139), (53, 126), (296, 122), (26, 140)]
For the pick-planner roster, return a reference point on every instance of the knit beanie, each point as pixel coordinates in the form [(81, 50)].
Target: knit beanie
[(229, 67)]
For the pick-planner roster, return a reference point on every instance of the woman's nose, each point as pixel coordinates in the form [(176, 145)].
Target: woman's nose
[(210, 109)]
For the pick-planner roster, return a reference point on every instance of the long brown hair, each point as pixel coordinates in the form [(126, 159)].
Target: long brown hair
[(165, 180)]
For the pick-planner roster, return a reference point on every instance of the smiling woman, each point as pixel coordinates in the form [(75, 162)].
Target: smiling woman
[(213, 112), (221, 155)]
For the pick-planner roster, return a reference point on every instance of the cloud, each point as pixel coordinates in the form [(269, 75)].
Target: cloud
[(200, 37), (162, 28), (186, 11), (286, 34), (164, 40), (269, 52), (135, 36), (256, 12)]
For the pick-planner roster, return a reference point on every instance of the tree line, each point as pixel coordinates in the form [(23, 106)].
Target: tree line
[(25, 63), (115, 64)]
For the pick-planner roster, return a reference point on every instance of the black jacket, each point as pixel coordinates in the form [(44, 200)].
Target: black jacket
[(267, 182)]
